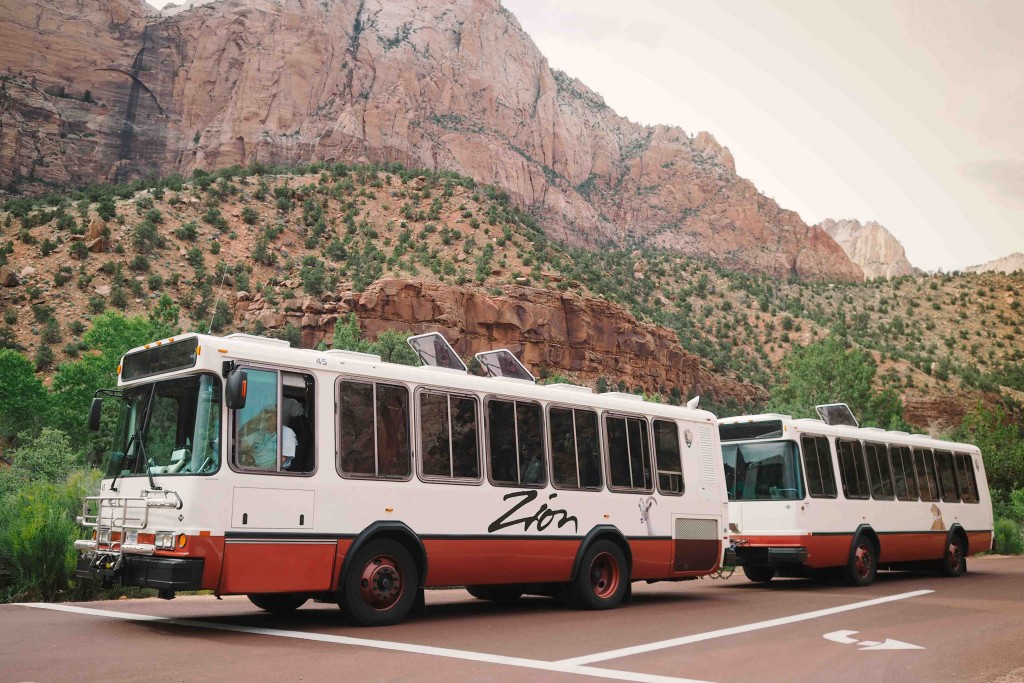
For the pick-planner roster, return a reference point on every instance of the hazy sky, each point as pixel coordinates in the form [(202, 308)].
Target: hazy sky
[(910, 113)]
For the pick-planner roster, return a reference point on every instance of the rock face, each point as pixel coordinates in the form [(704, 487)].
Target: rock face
[(1006, 264), (430, 83), (560, 331), (871, 247)]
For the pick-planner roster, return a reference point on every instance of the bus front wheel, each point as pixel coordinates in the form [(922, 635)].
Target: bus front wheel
[(278, 603), (860, 570), (603, 578), (954, 562), (381, 584)]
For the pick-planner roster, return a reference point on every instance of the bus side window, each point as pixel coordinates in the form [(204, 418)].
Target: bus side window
[(903, 470), (448, 433), (965, 478), (879, 471), (256, 425), (821, 479), (575, 449), (947, 481), (667, 458), (926, 475), (629, 458), (373, 430), (515, 443), (851, 469)]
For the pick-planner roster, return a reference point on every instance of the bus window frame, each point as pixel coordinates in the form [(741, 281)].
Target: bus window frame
[(606, 447), (929, 462), (232, 454), (913, 472), (973, 477), (418, 424), (600, 446), (885, 455), (952, 474), (832, 457), (337, 432), (657, 465), (842, 478), (543, 438)]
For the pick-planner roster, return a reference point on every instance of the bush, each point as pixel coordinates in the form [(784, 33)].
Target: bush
[(1008, 538)]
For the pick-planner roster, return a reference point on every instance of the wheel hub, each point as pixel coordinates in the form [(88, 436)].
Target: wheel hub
[(604, 575), (864, 560), (381, 583)]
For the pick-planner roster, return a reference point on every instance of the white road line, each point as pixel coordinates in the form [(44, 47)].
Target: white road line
[(559, 667), (720, 633)]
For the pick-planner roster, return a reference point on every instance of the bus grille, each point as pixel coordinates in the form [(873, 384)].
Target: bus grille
[(696, 544)]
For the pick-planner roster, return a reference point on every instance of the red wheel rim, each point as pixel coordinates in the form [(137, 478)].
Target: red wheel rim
[(864, 560), (604, 575), (955, 555), (381, 583)]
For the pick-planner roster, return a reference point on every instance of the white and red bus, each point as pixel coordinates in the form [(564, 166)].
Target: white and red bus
[(804, 494), (243, 466)]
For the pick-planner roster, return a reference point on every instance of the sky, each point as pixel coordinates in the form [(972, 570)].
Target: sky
[(905, 112)]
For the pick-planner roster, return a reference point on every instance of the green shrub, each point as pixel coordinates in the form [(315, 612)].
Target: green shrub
[(1008, 538), (37, 536)]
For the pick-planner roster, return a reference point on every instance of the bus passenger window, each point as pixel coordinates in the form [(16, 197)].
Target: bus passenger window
[(667, 458), (516, 443), (821, 478), (926, 475), (629, 465), (965, 478), (448, 433), (373, 430), (879, 471), (852, 470), (903, 473), (947, 483), (575, 449)]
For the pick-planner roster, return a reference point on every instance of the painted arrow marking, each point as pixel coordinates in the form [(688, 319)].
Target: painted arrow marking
[(889, 644)]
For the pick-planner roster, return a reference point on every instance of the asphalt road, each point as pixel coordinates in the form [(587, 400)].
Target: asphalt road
[(905, 627)]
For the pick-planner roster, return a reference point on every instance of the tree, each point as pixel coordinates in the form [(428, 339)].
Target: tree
[(23, 401), (826, 372), (391, 345), (1001, 444)]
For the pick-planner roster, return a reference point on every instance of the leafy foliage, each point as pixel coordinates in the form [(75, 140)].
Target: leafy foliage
[(23, 401)]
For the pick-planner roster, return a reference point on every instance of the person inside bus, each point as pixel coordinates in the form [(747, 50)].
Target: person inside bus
[(296, 437), (259, 446)]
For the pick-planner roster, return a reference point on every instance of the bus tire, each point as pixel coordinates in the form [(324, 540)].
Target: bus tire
[(602, 579), (862, 566), (278, 603), (759, 574), (381, 584), (495, 593), (954, 560)]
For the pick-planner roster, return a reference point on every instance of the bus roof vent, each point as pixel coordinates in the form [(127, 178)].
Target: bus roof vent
[(503, 363), (565, 386), (354, 355), (434, 350), (624, 395), (257, 339)]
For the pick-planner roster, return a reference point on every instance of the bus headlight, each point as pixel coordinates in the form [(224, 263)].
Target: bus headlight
[(165, 540)]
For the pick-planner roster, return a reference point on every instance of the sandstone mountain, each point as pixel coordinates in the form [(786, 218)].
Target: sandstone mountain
[(108, 89), (1006, 264), (871, 247)]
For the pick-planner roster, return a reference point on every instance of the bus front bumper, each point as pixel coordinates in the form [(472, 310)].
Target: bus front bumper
[(165, 574)]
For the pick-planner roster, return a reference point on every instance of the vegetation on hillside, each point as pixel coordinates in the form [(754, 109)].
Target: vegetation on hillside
[(175, 255)]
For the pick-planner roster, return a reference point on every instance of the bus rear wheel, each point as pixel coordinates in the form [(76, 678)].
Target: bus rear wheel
[(381, 584), (863, 563), (278, 603), (954, 563), (759, 574), (603, 578), (495, 593)]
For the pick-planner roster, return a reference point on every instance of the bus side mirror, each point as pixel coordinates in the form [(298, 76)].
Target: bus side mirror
[(234, 393), (94, 414)]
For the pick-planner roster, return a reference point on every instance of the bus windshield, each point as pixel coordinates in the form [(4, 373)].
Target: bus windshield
[(762, 471), (168, 427)]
